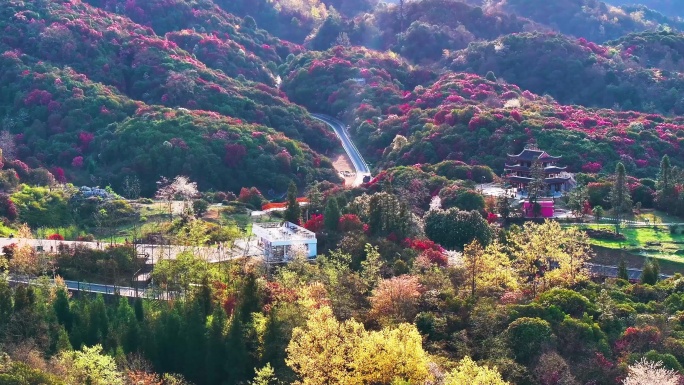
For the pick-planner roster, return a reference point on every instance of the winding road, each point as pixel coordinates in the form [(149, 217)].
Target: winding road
[(353, 153)]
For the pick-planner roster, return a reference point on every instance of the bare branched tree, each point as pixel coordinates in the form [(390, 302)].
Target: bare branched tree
[(7, 145)]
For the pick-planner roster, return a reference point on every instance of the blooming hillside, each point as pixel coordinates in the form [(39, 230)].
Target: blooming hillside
[(465, 117), (115, 51), (101, 116), (594, 20), (576, 71)]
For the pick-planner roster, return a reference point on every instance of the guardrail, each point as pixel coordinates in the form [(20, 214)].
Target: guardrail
[(353, 152)]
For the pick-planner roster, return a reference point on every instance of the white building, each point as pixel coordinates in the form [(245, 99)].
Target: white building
[(282, 240)]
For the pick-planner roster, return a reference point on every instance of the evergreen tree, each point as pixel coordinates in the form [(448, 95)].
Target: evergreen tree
[(387, 215), (503, 207), (619, 194), (598, 212), (293, 212), (194, 346), (622, 271), (62, 308), (655, 265), (216, 349), (126, 326), (537, 187), (666, 194), (453, 229), (6, 307), (139, 311), (315, 200), (21, 299), (204, 296), (276, 340), (665, 174), (168, 352), (98, 322), (577, 199), (332, 215), (650, 272), (63, 343), (250, 301), (237, 356)]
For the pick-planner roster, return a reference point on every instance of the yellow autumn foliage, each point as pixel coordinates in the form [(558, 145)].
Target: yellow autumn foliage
[(327, 351), (470, 373)]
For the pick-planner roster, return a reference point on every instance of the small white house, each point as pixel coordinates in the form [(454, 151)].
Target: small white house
[(281, 241)]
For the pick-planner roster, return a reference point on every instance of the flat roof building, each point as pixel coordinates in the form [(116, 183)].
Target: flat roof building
[(281, 241)]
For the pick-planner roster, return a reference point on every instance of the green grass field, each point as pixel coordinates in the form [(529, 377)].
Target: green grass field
[(652, 242)]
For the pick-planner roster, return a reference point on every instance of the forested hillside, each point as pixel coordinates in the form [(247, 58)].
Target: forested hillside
[(115, 68), (144, 143)]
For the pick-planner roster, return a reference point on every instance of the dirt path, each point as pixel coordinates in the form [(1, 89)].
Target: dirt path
[(341, 163)]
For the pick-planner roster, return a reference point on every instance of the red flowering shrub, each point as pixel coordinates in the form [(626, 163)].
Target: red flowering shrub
[(58, 172), (7, 208), (349, 222), (592, 167), (77, 162), (422, 245), (639, 339), (55, 237), (84, 139), (234, 154), (315, 223), (251, 196), (435, 257)]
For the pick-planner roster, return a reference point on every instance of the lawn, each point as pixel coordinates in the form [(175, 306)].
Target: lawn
[(656, 242)]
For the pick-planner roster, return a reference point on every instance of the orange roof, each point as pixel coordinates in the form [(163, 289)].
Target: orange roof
[(282, 205)]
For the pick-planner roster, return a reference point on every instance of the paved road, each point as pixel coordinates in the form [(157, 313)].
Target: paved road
[(360, 165)]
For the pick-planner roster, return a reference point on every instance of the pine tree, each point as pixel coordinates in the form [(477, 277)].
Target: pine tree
[(619, 194), (332, 215), (598, 212), (194, 347), (126, 326), (275, 343), (204, 296), (577, 199), (98, 322), (503, 207), (216, 349), (293, 212), (63, 343), (537, 187), (622, 271), (665, 192), (21, 299), (250, 302), (655, 265), (139, 311), (6, 307), (649, 274), (315, 200), (237, 357), (62, 309)]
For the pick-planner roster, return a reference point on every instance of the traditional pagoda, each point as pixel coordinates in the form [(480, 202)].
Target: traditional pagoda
[(519, 172)]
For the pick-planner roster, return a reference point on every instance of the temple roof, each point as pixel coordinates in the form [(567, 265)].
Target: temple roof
[(532, 155), (517, 167), (522, 179), (554, 169)]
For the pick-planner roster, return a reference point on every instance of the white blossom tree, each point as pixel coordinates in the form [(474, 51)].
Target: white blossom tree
[(179, 187), (646, 372)]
